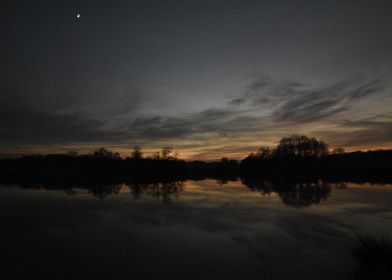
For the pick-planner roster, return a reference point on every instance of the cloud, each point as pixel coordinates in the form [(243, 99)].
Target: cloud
[(360, 133), (376, 130), (295, 102), (252, 90), (266, 110), (218, 121), (30, 127), (41, 119)]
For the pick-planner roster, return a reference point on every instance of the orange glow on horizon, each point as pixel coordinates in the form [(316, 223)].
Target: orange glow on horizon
[(188, 153)]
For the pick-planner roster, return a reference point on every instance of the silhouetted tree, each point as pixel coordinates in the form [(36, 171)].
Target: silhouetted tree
[(169, 153), (338, 151), (137, 152), (106, 154), (156, 155), (72, 153), (224, 160), (301, 146), (264, 152)]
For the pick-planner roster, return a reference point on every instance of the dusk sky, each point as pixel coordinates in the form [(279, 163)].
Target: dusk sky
[(210, 78)]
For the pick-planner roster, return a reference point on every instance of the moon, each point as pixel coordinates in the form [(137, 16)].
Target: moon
[(78, 16)]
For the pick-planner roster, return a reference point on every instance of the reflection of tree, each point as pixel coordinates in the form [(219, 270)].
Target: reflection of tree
[(164, 191), (340, 186), (222, 182), (102, 191), (70, 191), (304, 194), (258, 185), (137, 189), (297, 193)]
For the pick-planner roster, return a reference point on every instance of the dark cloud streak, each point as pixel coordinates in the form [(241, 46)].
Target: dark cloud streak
[(297, 103)]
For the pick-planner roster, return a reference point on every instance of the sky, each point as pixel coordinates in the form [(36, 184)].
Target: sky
[(209, 78)]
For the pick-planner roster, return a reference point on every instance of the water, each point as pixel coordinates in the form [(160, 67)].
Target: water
[(188, 230)]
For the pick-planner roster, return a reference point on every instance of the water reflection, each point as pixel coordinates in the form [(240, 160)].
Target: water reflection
[(211, 229), (292, 192), (165, 191), (102, 191)]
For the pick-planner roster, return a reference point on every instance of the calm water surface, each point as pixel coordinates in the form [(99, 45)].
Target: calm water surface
[(188, 230)]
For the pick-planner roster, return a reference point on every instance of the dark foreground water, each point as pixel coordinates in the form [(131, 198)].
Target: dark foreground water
[(188, 230)]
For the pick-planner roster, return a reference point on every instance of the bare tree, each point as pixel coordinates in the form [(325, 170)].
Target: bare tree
[(167, 152), (137, 152), (338, 151), (224, 160), (107, 154)]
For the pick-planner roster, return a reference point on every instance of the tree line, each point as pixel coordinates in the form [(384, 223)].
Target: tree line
[(299, 146), (167, 153), (295, 154), (296, 146)]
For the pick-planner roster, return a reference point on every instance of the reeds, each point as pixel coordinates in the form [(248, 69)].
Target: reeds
[(373, 256)]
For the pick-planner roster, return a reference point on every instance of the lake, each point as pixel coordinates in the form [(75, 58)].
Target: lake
[(188, 230)]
